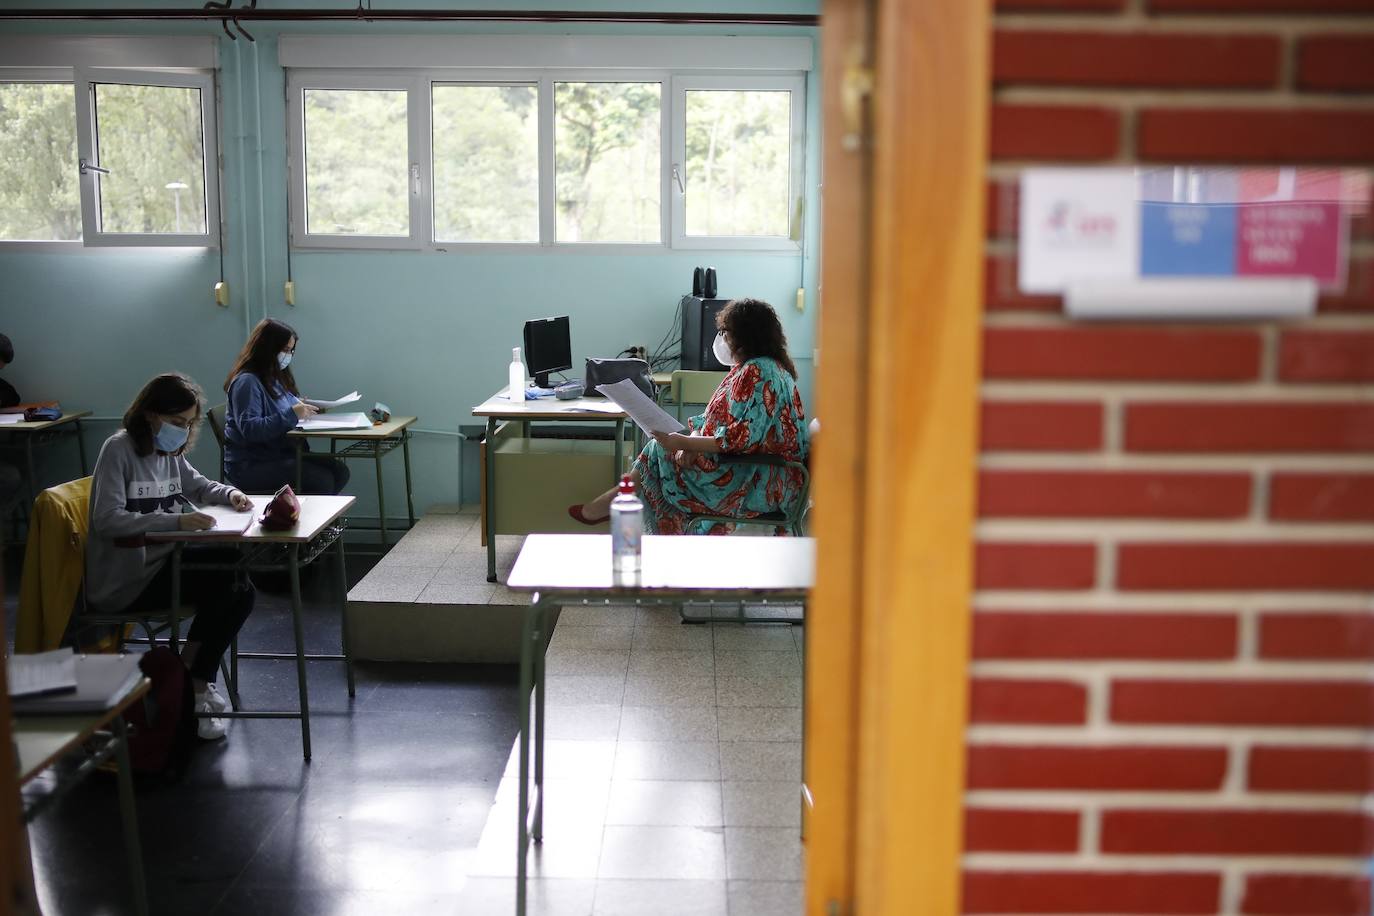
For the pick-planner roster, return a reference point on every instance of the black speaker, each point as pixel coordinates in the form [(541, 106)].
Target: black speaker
[(699, 333), (698, 275)]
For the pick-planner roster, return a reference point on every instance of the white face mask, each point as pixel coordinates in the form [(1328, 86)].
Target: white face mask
[(721, 350), (283, 360)]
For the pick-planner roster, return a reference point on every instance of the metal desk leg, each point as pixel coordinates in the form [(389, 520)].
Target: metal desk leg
[(343, 612), (381, 491), (489, 489), (300, 462), (410, 499), (522, 841), (295, 565), (129, 814), (174, 611), (81, 447), (540, 640), (619, 448), (29, 478)]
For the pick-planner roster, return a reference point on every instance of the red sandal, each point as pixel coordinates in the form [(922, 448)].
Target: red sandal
[(576, 512)]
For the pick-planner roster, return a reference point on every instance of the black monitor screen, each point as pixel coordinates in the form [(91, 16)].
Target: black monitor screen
[(548, 347)]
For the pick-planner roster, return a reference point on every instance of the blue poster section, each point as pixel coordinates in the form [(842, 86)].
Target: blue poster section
[(1190, 240)]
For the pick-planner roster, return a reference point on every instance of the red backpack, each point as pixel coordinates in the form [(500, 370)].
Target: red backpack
[(162, 728)]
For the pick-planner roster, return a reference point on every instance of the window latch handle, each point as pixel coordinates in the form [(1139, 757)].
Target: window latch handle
[(677, 177), (415, 179), (89, 167)]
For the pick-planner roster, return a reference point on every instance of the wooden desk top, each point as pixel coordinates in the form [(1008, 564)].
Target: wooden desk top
[(388, 430), (768, 567), (317, 513), (68, 416), (501, 407), (662, 379), (42, 740)]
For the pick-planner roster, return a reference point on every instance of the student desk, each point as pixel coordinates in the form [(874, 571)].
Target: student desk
[(41, 433), (563, 569), (366, 443), (319, 528), (578, 410), (42, 740)]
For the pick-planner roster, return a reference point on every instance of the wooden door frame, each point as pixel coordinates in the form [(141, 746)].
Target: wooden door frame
[(900, 334)]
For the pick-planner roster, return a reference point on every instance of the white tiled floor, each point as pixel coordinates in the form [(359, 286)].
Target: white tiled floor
[(673, 763)]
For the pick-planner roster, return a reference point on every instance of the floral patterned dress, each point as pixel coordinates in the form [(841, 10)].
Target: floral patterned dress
[(756, 410)]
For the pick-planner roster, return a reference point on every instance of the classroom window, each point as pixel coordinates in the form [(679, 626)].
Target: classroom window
[(608, 162), (152, 141), (356, 162), (39, 197), (738, 145), (486, 163)]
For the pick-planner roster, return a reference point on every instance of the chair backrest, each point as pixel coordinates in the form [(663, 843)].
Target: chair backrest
[(216, 417), (693, 387)]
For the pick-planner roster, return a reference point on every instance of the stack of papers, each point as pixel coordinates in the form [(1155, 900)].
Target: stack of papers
[(330, 405), (647, 415), (335, 421), (7, 418), (101, 682), (42, 672), (229, 522)]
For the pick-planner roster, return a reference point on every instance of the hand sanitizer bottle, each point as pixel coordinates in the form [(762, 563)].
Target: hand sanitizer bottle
[(627, 527), (516, 392)]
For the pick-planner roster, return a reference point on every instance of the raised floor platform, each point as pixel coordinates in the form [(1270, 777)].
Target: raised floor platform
[(428, 598)]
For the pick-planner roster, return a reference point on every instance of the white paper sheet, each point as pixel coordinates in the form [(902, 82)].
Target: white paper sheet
[(330, 405), (335, 421), (6, 418), (43, 672), (228, 521), (647, 415)]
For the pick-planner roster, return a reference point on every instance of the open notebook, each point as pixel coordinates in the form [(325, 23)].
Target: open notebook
[(101, 681)]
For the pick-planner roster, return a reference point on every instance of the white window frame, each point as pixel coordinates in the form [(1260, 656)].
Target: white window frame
[(794, 84), (87, 144), (417, 138), (60, 76), (469, 77), (672, 143)]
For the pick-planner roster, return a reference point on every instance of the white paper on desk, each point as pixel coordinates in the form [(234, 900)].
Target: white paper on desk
[(11, 418), (335, 421), (42, 672), (330, 405), (228, 521), (647, 415), (595, 406)]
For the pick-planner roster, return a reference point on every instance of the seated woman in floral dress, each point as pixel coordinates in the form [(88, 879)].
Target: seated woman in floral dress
[(757, 410)]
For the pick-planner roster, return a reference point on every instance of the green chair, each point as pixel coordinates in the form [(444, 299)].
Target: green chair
[(216, 416), (692, 387)]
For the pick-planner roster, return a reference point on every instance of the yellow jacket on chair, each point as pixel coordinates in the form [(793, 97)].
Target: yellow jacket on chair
[(54, 560)]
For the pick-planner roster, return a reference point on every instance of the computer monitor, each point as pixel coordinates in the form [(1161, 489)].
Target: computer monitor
[(548, 348)]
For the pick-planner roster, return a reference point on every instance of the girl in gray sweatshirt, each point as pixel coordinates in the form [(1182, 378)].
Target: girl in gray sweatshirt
[(143, 483)]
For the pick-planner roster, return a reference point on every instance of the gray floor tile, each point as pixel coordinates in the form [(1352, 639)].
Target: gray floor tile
[(665, 804), (755, 638), (759, 691), (581, 760), (545, 897), (670, 691), (679, 639), (672, 663), (582, 723), (755, 760), (689, 760), (657, 616), (760, 723), (668, 723), (455, 593), (595, 615), (593, 662), (763, 853), (746, 663), (579, 690), (660, 898), (663, 852), (766, 898), (764, 803), (401, 583), (595, 637)]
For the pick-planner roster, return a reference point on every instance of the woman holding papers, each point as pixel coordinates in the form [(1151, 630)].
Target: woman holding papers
[(265, 405), (144, 484), (757, 410)]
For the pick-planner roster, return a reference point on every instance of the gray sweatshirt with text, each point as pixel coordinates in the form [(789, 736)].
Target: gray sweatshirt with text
[(131, 495)]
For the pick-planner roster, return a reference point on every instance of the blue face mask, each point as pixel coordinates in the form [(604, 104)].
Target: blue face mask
[(169, 438), (283, 360)]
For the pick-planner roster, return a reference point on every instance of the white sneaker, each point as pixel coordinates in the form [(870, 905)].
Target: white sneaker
[(209, 728), (218, 702)]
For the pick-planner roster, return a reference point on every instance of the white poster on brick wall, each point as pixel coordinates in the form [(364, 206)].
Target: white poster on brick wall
[(1079, 224)]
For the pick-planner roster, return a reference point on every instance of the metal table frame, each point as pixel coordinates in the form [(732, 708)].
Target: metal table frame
[(365, 448), (267, 555), (43, 433), (114, 743)]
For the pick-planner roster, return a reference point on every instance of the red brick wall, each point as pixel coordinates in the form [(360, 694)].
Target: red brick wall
[(1172, 705)]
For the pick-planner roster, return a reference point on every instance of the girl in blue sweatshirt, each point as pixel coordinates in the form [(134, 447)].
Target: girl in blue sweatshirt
[(265, 405)]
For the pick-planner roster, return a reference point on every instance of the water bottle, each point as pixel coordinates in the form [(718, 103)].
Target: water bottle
[(627, 527), (516, 392)]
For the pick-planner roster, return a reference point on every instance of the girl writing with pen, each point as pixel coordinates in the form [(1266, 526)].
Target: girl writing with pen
[(265, 405)]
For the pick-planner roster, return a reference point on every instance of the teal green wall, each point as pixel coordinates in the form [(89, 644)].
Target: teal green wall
[(428, 334)]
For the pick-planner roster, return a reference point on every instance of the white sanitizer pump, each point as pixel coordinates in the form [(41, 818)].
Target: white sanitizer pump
[(516, 392)]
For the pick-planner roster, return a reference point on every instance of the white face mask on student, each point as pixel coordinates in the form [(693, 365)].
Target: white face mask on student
[(721, 350), (283, 360)]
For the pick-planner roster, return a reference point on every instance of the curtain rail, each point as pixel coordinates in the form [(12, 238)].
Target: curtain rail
[(248, 14)]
